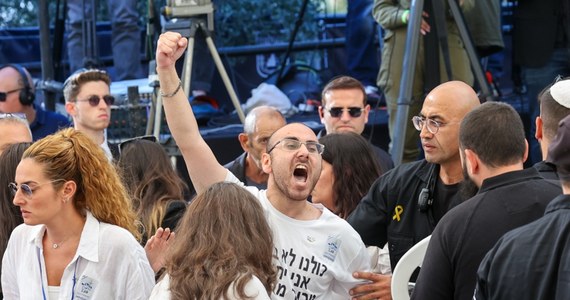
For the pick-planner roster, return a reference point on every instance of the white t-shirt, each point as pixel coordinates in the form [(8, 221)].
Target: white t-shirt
[(315, 258), (109, 264), (253, 288)]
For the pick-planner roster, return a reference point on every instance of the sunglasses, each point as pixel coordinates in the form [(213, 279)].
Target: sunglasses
[(354, 112), (94, 100), (26, 189), (4, 95), (150, 138)]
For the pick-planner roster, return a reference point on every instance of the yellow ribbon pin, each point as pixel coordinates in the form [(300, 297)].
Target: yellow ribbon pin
[(397, 212)]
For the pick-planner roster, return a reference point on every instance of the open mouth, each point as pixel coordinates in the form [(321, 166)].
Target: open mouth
[(300, 173)]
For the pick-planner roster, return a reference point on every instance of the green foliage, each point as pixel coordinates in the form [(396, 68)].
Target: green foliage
[(249, 22), (17, 13)]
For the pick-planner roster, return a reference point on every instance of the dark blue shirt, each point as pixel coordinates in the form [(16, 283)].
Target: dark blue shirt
[(47, 122)]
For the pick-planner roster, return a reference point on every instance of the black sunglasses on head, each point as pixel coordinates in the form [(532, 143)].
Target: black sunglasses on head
[(94, 100), (150, 138), (4, 95), (354, 112)]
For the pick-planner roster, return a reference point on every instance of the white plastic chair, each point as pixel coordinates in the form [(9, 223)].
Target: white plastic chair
[(405, 267)]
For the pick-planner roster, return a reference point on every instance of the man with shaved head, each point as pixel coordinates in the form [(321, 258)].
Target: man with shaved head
[(260, 123), (493, 149), (315, 251), (403, 206)]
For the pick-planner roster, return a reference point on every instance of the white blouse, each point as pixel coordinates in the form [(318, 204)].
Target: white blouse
[(109, 264)]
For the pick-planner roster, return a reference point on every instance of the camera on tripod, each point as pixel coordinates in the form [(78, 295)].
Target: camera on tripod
[(190, 9)]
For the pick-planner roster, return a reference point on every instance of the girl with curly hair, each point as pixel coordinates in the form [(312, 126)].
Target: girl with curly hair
[(223, 249), (78, 237)]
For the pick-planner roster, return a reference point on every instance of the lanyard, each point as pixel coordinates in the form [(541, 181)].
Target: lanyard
[(41, 279)]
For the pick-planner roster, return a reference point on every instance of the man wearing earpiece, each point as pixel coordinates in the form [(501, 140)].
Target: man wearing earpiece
[(404, 205), (17, 94), (493, 149)]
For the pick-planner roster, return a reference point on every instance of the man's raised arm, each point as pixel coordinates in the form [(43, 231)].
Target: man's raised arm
[(203, 167)]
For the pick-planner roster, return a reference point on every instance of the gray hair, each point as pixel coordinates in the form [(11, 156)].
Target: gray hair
[(251, 118), (15, 118)]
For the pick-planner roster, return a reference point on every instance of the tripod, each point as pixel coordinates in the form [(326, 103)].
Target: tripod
[(188, 27), (410, 56)]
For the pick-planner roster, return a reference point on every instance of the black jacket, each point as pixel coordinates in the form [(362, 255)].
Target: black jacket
[(546, 170), (531, 262), (390, 211), (465, 234), (237, 167)]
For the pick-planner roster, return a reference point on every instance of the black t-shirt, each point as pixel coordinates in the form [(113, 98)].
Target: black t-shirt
[(445, 198)]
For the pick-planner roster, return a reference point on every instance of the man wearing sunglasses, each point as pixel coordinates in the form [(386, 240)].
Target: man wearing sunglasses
[(344, 109), (316, 251), (17, 95), (404, 205), (88, 101)]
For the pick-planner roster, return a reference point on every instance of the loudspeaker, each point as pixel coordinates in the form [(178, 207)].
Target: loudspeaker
[(26, 94)]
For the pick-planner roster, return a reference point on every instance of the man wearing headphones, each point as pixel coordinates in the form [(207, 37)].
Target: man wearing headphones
[(17, 95), (403, 206)]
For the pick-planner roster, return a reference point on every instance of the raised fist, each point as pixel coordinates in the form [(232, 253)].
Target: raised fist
[(169, 48)]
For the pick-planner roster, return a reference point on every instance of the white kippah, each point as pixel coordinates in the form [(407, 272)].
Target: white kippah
[(560, 91)]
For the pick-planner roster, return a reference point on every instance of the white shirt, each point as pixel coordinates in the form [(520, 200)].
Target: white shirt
[(315, 258), (107, 150), (253, 288), (109, 264)]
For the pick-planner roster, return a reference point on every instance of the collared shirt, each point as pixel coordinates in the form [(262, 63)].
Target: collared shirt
[(109, 264), (465, 234), (47, 122), (530, 262), (546, 169), (107, 150)]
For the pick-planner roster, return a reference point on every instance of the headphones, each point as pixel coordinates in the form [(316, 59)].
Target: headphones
[(26, 95), (425, 199)]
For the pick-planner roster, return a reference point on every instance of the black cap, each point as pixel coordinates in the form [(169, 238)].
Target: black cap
[(559, 149)]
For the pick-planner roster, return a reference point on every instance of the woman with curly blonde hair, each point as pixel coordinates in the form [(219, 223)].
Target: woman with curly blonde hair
[(78, 237), (223, 249)]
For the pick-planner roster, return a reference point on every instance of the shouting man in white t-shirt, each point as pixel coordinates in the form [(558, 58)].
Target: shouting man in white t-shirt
[(316, 252)]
